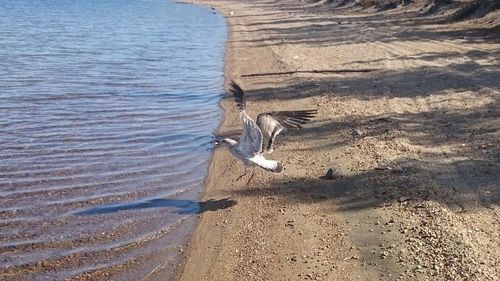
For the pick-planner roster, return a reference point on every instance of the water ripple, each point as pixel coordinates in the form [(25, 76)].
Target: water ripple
[(107, 112)]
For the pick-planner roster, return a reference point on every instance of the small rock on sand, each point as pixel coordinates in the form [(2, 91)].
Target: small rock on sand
[(332, 174)]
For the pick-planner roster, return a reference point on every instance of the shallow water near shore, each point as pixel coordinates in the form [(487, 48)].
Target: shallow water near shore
[(107, 110)]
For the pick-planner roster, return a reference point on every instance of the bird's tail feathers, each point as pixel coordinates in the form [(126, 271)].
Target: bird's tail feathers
[(268, 165), (279, 167)]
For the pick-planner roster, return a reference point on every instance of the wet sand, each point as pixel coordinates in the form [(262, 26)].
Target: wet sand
[(415, 138)]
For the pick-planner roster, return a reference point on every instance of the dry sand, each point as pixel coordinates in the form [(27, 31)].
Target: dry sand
[(408, 113)]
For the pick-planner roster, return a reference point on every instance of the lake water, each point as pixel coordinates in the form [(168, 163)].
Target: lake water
[(107, 109)]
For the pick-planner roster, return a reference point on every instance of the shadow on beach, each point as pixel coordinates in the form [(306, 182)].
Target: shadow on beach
[(476, 186), (178, 206)]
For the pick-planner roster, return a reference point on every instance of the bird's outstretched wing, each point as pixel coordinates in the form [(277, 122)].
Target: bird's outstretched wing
[(239, 96), (272, 123), (287, 119), (250, 143)]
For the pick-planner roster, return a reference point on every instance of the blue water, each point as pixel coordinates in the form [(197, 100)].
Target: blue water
[(104, 105)]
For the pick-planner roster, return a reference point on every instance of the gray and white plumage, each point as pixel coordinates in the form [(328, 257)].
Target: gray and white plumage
[(271, 124), (249, 147), (258, 137)]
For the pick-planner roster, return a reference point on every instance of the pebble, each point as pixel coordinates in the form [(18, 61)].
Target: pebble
[(332, 174)]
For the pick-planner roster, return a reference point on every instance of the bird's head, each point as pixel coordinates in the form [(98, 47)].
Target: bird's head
[(225, 142)]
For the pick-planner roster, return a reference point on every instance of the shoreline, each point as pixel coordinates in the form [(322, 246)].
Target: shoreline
[(221, 203), (375, 222)]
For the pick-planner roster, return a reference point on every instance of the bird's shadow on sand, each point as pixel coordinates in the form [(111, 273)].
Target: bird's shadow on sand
[(178, 206)]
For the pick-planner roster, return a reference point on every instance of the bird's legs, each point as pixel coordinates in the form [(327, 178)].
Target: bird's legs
[(244, 174), (251, 177)]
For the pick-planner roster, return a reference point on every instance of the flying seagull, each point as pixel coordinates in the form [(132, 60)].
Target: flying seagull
[(257, 137), (273, 123)]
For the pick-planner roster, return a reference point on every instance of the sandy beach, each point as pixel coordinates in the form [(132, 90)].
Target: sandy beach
[(408, 116)]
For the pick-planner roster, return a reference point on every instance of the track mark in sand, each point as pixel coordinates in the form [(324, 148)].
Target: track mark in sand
[(311, 71)]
